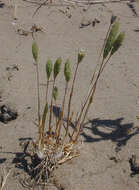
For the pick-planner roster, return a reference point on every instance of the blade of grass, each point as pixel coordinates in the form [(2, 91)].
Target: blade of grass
[(55, 95), (113, 18), (111, 38), (87, 102), (49, 69), (55, 74), (80, 57), (59, 124), (35, 56), (67, 73), (115, 46)]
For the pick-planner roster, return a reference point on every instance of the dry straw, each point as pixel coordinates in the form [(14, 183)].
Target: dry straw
[(4, 178)]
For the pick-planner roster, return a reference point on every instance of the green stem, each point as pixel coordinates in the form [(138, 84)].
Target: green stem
[(86, 101), (62, 112), (102, 49), (51, 109), (70, 100), (103, 64), (47, 87), (38, 94)]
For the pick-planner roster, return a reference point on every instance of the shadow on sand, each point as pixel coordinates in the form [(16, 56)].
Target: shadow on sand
[(112, 130)]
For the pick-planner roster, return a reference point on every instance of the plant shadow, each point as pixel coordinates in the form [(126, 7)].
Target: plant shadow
[(56, 111), (136, 30), (107, 129), (2, 5), (2, 160), (28, 162), (21, 159), (132, 8), (24, 160)]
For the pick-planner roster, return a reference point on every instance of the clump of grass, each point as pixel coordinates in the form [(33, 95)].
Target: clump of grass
[(54, 146)]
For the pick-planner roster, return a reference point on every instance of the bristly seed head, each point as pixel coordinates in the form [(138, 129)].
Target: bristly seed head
[(81, 55), (55, 93), (57, 67), (49, 68), (118, 42), (35, 51), (67, 71), (111, 39)]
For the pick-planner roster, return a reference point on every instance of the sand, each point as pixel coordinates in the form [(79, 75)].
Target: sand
[(110, 135)]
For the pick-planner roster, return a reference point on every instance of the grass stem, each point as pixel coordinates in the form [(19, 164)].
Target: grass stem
[(70, 101)]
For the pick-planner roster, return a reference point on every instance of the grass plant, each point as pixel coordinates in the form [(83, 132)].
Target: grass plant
[(54, 146)]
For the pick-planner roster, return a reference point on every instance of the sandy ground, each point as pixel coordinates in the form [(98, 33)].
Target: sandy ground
[(110, 135)]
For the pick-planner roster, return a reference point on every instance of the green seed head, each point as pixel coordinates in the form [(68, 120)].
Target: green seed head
[(118, 42), (55, 93), (35, 50), (57, 67), (81, 55), (67, 71), (111, 39), (48, 68)]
